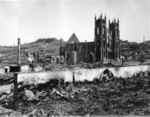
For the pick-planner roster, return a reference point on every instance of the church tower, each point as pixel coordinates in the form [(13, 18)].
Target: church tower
[(115, 34), (100, 38)]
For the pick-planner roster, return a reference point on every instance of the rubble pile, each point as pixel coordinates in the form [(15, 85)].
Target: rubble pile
[(91, 65), (105, 95)]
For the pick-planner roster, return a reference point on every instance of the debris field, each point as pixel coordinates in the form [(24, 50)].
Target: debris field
[(107, 95)]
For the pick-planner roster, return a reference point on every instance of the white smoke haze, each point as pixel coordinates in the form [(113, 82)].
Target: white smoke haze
[(80, 74)]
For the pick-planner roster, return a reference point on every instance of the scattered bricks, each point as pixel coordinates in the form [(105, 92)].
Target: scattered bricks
[(146, 73), (61, 82), (58, 60), (141, 74), (28, 95), (15, 114), (35, 112), (96, 81)]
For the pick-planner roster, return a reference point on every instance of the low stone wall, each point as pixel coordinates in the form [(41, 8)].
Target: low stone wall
[(42, 77)]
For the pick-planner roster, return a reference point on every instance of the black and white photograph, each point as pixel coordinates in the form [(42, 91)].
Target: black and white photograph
[(74, 58)]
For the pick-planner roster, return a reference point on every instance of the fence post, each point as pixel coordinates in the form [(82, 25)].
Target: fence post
[(15, 91), (73, 79)]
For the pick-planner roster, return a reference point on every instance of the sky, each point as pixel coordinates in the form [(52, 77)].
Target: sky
[(34, 19)]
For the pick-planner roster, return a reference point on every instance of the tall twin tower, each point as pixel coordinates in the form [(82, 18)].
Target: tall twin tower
[(107, 39)]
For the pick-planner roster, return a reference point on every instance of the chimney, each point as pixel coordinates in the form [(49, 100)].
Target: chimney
[(86, 46), (61, 42), (19, 57)]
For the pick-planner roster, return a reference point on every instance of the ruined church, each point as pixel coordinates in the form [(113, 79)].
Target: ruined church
[(106, 44)]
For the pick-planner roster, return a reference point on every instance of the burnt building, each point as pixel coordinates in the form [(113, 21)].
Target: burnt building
[(106, 44)]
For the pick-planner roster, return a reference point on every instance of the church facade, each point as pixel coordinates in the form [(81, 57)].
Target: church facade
[(106, 44)]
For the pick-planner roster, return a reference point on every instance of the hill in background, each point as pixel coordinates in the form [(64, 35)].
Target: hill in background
[(50, 46), (135, 49)]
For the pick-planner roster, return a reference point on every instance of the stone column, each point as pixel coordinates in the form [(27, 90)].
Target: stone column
[(19, 57)]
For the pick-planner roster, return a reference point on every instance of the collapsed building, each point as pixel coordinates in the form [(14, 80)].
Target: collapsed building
[(106, 44)]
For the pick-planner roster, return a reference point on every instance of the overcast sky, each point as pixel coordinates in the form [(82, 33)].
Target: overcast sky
[(33, 19)]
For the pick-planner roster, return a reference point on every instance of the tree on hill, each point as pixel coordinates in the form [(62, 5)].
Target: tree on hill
[(47, 40)]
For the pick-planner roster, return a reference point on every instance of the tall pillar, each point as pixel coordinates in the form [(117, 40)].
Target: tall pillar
[(19, 57), (86, 47), (74, 57)]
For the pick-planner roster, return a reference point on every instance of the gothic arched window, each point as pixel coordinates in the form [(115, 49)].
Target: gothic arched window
[(103, 30), (98, 43), (97, 30), (117, 44), (117, 33)]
